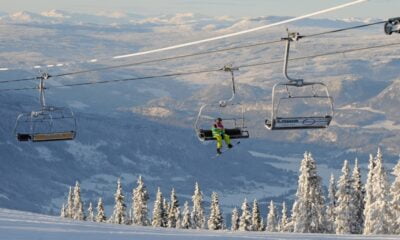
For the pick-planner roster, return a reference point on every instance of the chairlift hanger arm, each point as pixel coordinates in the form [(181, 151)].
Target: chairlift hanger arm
[(230, 69), (291, 37), (42, 88)]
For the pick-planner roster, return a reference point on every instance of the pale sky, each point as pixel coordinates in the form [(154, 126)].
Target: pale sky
[(237, 8)]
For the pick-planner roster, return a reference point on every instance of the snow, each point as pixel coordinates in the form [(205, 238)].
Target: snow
[(55, 14), (369, 109), (86, 153), (30, 226), (78, 105), (46, 154), (386, 124)]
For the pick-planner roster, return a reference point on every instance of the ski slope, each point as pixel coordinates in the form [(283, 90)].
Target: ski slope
[(17, 225)]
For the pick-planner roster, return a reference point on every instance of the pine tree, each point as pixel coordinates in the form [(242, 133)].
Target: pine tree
[(284, 219), (216, 221), (380, 208), (139, 204), (174, 212), (90, 215), (262, 225), (235, 220), (166, 206), (256, 217), (119, 213), (395, 199), (198, 217), (245, 218), (330, 210), (358, 200), (78, 205), (158, 210), (186, 220), (272, 218), (308, 209), (101, 216), (63, 211), (70, 204), (345, 207), (369, 197)]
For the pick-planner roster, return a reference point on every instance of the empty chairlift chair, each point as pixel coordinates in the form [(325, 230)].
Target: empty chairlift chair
[(231, 113), (47, 124), (308, 104)]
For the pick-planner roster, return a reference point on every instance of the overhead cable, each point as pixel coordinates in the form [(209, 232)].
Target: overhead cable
[(213, 70), (193, 54)]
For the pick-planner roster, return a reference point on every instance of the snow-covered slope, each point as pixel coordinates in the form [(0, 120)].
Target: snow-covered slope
[(16, 225)]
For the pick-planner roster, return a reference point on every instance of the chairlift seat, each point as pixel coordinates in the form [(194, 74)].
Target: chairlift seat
[(233, 133), (57, 136), (298, 123)]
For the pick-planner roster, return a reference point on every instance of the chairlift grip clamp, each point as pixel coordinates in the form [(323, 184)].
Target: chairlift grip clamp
[(392, 25), (227, 68), (293, 37)]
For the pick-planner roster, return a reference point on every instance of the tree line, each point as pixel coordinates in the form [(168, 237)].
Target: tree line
[(351, 207)]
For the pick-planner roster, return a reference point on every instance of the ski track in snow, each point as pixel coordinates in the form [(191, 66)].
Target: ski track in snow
[(17, 225)]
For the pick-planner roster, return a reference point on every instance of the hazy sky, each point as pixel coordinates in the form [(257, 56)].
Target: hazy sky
[(237, 8)]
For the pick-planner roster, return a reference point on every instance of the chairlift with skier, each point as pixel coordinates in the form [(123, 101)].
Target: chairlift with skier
[(229, 111)]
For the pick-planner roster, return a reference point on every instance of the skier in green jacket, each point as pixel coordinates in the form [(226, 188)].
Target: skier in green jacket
[(218, 132)]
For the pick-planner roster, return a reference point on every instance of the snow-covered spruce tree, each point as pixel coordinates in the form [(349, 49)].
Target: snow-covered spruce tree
[(380, 208), (308, 208), (262, 225), (90, 213), (158, 210), (344, 208), (186, 219), (119, 213), (101, 216), (256, 217), (358, 200), (78, 205), (70, 204), (216, 220), (245, 218), (330, 209), (166, 206), (395, 199), (174, 212), (198, 217), (272, 218), (139, 204), (63, 211), (235, 220), (369, 196), (284, 219)]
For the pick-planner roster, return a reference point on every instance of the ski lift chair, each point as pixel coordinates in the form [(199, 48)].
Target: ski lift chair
[(292, 122), (48, 124), (225, 109)]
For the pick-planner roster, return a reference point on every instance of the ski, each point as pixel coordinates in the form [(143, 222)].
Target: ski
[(225, 150)]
